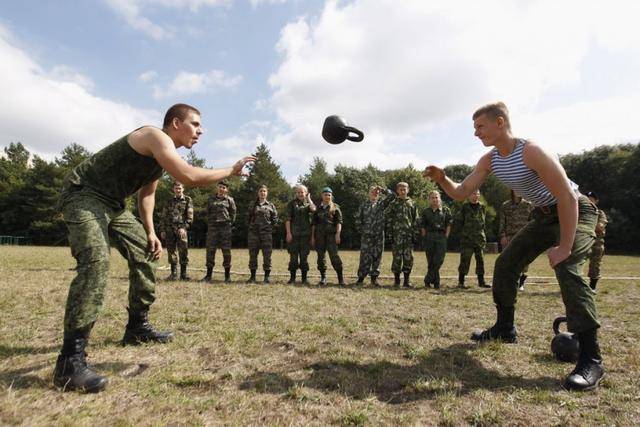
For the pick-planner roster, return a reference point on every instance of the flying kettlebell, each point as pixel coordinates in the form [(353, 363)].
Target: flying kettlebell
[(564, 345), (335, 131)]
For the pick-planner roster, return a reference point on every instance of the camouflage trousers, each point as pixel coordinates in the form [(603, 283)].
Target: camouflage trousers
[(371, 248), (540, 234), (326, 242), (467, 249), (402, 251), (435, 246), (299, 249), (92, 227), (256, 241), (177, 246), (595, 259), (219, 237)]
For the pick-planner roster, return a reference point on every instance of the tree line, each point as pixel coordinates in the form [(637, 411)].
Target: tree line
[(30, 185)]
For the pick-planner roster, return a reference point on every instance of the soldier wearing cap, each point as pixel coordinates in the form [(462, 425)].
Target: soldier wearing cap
[(177, 218), (597, 250), (221, 215), (325, 235), (514, 215)]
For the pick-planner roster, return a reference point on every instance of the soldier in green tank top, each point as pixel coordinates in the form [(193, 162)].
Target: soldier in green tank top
[(92, 201)]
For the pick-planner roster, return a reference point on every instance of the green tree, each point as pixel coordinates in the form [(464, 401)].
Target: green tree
[(317, 178)]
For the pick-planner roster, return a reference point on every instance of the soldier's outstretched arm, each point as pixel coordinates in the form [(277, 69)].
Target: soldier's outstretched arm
[(460, 191), (146, 203), (161, 147)]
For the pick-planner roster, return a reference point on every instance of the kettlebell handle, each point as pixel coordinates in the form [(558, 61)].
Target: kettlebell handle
[(556, 323), (359, 135)]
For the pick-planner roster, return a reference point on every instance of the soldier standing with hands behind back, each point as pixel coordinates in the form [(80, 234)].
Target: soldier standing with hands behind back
[(514, 215), (221, 214), (472, 238), (402, 220), (177, 218), (435, 228)]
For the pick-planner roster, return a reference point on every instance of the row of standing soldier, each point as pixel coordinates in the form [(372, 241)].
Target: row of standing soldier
[(307, 226)]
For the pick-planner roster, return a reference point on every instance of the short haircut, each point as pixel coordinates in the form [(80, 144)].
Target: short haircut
[(402, 184), (432, 192), (301, 187), (178, 111), (176, 183), (224, 183), (493, 111)]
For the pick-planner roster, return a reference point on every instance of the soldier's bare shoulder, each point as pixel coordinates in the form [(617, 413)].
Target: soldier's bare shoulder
[(142, 140)]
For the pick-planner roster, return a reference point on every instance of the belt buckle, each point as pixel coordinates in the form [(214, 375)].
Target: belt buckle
[(545, 210)]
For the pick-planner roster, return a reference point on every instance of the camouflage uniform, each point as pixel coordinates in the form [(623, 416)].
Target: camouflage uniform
[(597, 250), (435, 222), (325, 236), (221, 215), (402, 220), (299, 216), (263, 218), (472, 237), (370, 223), (513, 217), (93, 205), (178, 214)]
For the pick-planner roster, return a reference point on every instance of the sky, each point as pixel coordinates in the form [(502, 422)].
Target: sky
[(408, 73)]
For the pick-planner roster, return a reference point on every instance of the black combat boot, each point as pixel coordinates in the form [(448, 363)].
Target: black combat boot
[(461, 281), (266, 277), (227, 275), (340, 278), (252, 278), (523, 278), (174, 273), (360, 280), (481, 281), (183, 273), (139, 330), (396, 280), (407, 281), (303, 274), (427, 280), (292, 277), (71, 371), (323, 278), (209, 276), (593, 283), (589, 370), (374, 281), (503, 330)]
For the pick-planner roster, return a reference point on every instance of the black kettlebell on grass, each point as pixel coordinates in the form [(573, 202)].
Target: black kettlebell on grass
[(564, 345), (336, 131)]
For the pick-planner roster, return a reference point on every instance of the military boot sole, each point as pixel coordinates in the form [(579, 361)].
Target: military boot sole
[(131, 338), (510, 337)]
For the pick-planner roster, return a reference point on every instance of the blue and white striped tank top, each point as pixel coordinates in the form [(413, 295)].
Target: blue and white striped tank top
[(512, 171)]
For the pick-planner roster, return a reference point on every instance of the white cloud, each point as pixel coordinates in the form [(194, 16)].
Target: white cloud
[(256, 3), (405, 71), (133, 12), (186, 83), (47, 110), (147, 76)]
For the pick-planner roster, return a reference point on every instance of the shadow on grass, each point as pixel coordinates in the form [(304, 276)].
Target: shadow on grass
[(445, 370), (8, 351)]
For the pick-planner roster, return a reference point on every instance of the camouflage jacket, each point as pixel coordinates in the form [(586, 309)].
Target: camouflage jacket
[(601, 225), (370, 220), (221, 210), (299, 215), (471, 222), (436, 221), (324, 221), (402, 219), (263, 217), (513, 216), (178, 213)]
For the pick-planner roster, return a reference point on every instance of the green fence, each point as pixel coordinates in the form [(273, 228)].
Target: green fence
[(15, 240)]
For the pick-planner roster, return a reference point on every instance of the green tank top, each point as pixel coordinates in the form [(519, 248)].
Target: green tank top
[(111, 175)]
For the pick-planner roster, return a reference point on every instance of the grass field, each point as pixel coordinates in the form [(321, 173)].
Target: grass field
[(285, 355)]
